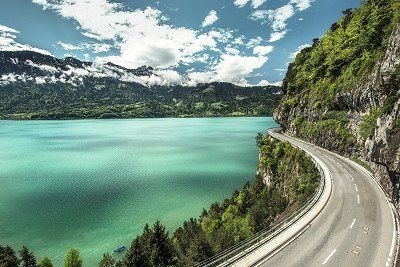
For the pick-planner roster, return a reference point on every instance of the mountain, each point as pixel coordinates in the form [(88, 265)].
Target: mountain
[(37, 86), (343, 92)]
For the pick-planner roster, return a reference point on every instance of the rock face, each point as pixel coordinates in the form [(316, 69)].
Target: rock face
[(367, 116), (383, 147)]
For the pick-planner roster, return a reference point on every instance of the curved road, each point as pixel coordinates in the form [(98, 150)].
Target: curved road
[(356, 227)]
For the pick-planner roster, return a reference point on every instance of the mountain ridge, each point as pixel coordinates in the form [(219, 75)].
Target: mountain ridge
[(36, 86)]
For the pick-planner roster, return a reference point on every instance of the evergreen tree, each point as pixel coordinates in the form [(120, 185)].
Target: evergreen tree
[(72, 259), (27, 258), (136, 255), (8, 257), (191, 244), (107, 261), (46, 262), (162, 251)]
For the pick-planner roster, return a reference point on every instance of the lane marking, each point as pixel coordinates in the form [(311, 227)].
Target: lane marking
[(394, 234), (352, 224), (330, 255), (277, 251), (356, 187), (358, 198)]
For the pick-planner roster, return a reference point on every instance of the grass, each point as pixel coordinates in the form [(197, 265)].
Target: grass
[(362, 163)]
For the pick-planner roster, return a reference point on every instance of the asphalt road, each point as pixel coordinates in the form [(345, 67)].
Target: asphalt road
[(356, 227)]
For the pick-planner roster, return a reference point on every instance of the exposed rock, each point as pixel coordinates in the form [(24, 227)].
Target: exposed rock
[(382, 148)]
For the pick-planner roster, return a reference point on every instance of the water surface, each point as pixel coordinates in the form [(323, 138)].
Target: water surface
[(89, 183)]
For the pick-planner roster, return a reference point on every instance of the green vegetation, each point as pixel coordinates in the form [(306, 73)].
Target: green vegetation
[(72, 259), (369, 123), (344, 55), (320, 83), (116, 99), (293, 178), (27, 258), (362, 163), (46, 262)]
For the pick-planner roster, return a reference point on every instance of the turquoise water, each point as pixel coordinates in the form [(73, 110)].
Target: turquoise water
[(89, 183)]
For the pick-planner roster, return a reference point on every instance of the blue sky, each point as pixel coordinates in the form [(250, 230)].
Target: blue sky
[(239, 41)]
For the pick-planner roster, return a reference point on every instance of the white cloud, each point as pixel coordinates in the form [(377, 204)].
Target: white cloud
[(262, 50), (232, 51), (277, 17), (301, 47), (141, 35), (240, 3), (231, 68), (93, 47), (238, 40), (210, 19), (254, 42), (98, 48), (275, 36), (267, 83), (69, 47), (4, 28), (254, 3), (234, 68), (258, 3), (8, 43), (301, 4)]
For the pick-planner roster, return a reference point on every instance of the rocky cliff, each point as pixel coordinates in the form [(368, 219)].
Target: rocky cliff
[(343, 93)]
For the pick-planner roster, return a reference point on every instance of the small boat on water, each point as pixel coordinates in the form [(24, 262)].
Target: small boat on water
[(119, 249)]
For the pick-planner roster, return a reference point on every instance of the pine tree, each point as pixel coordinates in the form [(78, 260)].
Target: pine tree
[(8, 257), (107, 261), (72, 259), (191, 244), (136, 257), (162, 251), (27, 258), (46, 262)]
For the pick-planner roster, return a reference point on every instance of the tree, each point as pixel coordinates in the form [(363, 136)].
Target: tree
[(162, 251), (107, 261), (191, 244), (27, 258), (259, 139), (8, 257), (315, 42), (72, 259), (136, 255), (46, 262)]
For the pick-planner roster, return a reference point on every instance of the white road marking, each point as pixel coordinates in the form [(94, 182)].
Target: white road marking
[(352, 224), (394, 234), (358, 198), (356, 187), (330, 255)]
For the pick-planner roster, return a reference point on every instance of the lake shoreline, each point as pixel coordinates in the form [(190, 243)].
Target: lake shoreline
[(158, 171)]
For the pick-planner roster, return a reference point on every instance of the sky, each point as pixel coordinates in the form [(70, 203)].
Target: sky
[(246, 42)]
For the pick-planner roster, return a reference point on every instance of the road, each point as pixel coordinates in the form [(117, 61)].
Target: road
[(355, 228)]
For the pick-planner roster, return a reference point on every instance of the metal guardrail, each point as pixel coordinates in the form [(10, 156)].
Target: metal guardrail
[(246, 246)]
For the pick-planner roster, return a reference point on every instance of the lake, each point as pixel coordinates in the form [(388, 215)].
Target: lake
[(93, 184)]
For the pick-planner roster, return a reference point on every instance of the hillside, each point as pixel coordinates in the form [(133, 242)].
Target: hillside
[(343, 92), (36, 86)]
